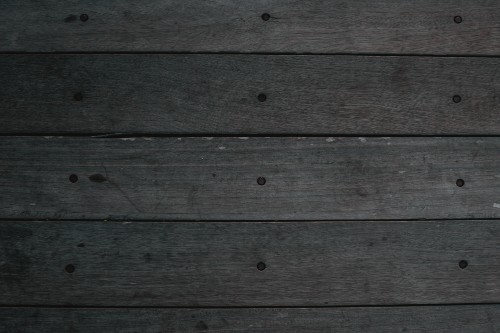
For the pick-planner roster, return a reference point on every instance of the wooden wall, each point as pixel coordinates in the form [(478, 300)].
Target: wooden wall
[(249, 166)]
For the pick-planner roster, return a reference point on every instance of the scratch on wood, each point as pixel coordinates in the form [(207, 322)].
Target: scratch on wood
[(121, 191)]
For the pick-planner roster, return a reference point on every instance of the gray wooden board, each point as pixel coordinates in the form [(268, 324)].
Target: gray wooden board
[(363, 26), (190, 94), (215, 264), (205, 178), (442, 319)]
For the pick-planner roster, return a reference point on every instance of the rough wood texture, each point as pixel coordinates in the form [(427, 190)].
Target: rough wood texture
[(442, 319), (215, 264), (363, 26), (218, 94), (217, 178)]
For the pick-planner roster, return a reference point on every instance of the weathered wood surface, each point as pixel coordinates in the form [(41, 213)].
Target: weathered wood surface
[(215, 264), (205, 178), (219, 94), (327, 26), (442, 319)]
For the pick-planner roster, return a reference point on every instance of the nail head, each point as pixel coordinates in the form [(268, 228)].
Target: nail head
[(78, 97), (73, 178)]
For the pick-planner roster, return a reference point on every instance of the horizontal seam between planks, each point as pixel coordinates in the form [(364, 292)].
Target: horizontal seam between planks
[(4, 219), (236, 135), (246, 307), (428, 55)]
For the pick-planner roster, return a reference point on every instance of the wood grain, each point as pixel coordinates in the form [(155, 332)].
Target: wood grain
[(442, 319), (218, 94), (205, 178), (188, 264), (326, 26)]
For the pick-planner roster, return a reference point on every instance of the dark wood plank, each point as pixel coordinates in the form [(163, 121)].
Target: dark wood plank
[(217, 263), (362, 26), (183, 94), (316, 178), (442, 319)]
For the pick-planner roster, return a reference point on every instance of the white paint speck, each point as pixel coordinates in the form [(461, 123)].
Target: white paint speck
[(148, 139), (243, 138), (362, 140), (179, 139), (128, 139), (330, 139), (401, 171), (496, 205), (48, 137), (127, 222), (222, 148)]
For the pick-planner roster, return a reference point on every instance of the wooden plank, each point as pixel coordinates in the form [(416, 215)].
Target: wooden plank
[(219, 94), (442, 319), (327, 26), (314, 178), (188, 264)]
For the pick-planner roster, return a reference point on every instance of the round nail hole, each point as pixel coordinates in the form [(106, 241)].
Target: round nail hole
[(460, 182), (261, 266), (265, 17), (84, 17), (69, 269), (458, 19), (457, 99), (73, 178), (78, 97), (261, 181), (463, 264), (262, 97)]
